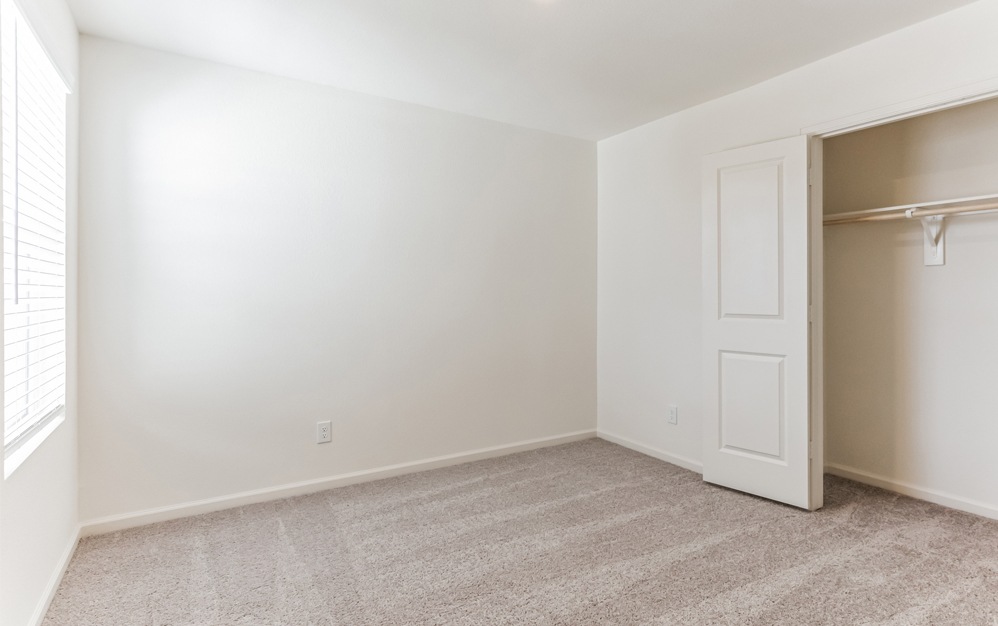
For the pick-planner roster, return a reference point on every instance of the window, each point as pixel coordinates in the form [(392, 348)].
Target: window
[(33, 111)]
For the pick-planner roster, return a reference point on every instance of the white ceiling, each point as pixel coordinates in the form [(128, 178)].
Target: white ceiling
[(585, 68)]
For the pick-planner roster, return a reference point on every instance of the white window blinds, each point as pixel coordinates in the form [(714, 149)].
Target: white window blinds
[(33, 108)]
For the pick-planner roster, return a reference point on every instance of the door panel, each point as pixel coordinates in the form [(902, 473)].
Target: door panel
[(749, 218), (751, 406), (757, 417)]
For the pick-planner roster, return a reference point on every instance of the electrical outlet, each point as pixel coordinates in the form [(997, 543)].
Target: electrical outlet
[(673, 414), (323, 432)]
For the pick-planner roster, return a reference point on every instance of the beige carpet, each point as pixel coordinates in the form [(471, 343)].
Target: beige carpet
[(585, 533)]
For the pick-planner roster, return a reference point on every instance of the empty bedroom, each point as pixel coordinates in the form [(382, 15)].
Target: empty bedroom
[(499, 312)]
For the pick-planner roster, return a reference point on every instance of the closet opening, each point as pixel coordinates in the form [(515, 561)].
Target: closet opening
[(909, 305)]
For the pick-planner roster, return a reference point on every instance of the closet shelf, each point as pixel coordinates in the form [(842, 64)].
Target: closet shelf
[(932, 215), (946, 208)]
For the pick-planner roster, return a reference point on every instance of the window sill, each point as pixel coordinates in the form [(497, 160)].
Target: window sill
[(14, 460)]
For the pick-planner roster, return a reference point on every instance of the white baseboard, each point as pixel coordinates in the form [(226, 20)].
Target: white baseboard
[(935, 496), (922, 493), (53, 584), (668, 457), (186, 509)]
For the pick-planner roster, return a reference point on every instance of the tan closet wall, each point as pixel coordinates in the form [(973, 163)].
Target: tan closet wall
[(911, 355)]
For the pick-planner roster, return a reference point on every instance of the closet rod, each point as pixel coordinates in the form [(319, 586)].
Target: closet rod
[(948, 207)]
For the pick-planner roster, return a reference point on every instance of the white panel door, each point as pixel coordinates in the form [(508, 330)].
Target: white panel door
[(756, 331)]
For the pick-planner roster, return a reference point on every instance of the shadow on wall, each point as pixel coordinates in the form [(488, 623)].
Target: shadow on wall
[(863, 333)]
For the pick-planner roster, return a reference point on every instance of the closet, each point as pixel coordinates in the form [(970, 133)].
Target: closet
[(911, 326)]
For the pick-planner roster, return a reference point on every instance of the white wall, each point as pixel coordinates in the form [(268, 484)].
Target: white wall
[(649, 302), (38, 502), (912, 351), (258, 253)]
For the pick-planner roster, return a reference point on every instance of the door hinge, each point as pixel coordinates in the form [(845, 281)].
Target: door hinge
[(810, 313)]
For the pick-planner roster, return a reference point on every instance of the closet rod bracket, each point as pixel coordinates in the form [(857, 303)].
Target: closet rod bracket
[(934, 248)]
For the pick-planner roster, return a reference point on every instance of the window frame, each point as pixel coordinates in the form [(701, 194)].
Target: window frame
[(48, 417)]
